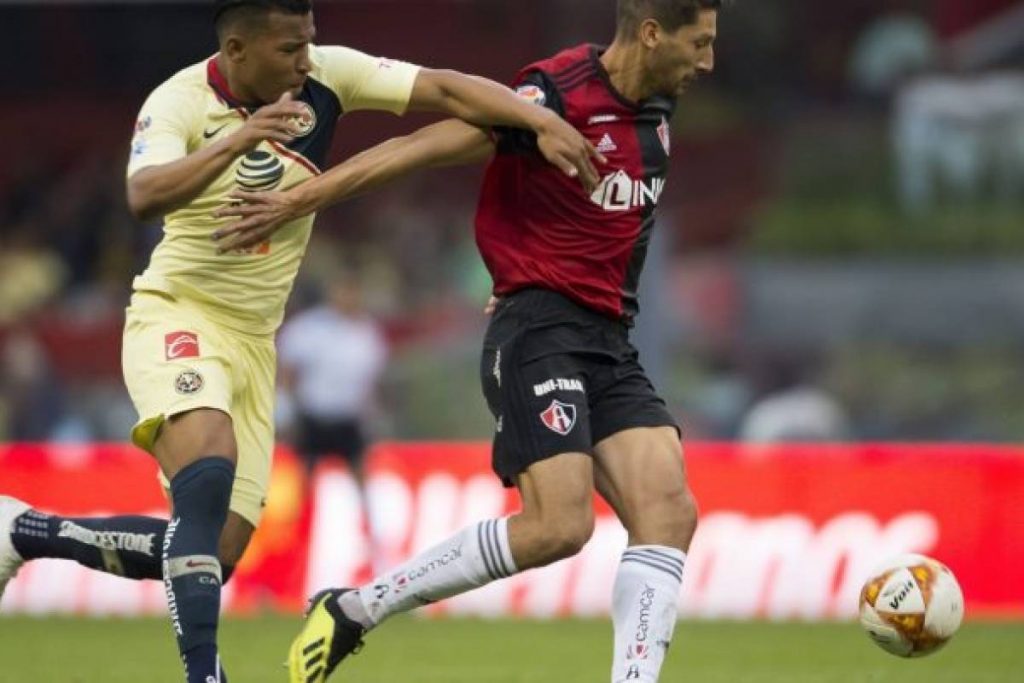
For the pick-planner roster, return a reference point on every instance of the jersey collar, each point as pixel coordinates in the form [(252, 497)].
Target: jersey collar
[(218, 82), (656, 101)]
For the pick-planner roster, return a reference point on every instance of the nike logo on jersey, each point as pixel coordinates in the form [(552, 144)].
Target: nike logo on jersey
[(209, 134)]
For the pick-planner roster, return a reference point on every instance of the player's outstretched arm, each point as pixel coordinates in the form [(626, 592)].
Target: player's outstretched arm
[(447, 143), (155, 191), (485, 103)]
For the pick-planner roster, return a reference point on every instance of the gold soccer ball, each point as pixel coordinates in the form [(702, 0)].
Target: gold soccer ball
[(911, 606)]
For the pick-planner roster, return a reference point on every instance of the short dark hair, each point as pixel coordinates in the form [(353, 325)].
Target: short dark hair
[(226, 12), (671, 14)]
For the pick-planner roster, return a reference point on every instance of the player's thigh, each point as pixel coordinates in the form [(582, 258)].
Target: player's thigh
[(637, 445), (642, 475), (254, 428), (186, 437), (177, 369), (639, 464), (557, 517), (559, 489)]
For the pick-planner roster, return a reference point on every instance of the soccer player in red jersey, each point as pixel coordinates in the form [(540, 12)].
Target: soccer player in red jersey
[(575, 410)]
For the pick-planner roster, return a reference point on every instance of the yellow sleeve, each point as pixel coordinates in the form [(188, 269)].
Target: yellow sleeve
[(365, 82), (163, 129)]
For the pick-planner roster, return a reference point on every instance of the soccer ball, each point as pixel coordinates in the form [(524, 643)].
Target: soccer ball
[(911, 606)]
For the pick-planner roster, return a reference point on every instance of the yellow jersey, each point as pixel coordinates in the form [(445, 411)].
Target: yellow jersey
[(247, 291)]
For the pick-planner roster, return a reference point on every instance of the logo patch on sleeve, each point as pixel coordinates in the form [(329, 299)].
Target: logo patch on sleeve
[(181, 344), (188, 382), (532, 93)]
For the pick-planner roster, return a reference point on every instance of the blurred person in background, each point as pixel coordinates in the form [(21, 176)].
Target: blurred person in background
[(33, 401), (331, 359), (575, 411), (198, 348), (31, 273), (791, 406)]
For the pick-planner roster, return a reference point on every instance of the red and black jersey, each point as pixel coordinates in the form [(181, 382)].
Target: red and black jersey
[(536, 227)]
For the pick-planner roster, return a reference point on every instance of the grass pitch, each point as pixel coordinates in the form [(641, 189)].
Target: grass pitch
[(457, 651)]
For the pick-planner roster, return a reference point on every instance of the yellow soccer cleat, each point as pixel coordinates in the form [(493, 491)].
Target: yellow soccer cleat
[(327, 637)]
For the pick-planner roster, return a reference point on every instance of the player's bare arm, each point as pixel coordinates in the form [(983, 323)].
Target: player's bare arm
[(449, 143), (158, 190), (483, 102)]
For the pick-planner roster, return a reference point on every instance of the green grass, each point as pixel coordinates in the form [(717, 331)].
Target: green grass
[(415, 651)]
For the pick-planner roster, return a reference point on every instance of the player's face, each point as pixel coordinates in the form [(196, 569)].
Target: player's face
[(680, 58), (277, 56)]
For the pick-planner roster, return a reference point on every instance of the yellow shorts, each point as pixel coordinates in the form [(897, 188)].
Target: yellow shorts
[(176, 360)]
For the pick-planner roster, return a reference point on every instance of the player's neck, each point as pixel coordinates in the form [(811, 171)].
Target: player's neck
[(624, 64), (236, 88)]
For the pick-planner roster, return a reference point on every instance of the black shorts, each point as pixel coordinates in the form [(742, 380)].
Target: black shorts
[(342, 438), (560, 378)]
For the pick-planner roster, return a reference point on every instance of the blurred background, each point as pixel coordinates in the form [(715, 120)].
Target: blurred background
[(839, 255)]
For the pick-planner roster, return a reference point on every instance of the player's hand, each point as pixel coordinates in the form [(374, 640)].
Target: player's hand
[(492, 305), (564, 146), (273, 122), (261, 214)]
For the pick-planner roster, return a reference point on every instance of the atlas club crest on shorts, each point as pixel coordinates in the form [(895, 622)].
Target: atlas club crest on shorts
[(559, 417), (181, 344)]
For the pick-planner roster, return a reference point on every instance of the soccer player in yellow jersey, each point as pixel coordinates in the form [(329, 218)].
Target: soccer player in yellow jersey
[(198, 352)]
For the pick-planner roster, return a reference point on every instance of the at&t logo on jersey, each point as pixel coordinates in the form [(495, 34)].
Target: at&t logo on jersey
[(620, 192), (259, 171)]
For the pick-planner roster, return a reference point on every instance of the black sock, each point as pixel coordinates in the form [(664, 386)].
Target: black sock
[(192, 572), (125, 546)]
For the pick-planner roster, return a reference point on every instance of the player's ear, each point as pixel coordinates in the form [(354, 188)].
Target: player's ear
[(650, 33), (233, 47)]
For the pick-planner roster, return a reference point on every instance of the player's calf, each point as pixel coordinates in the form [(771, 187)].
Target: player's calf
[(127, 546), (124, 546), (191, 569)]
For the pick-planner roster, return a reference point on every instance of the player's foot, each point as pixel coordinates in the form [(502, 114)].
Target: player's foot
[(327, 638), (10, 560)]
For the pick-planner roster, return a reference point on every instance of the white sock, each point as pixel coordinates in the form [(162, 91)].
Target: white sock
[(644, 610), (471, 558)]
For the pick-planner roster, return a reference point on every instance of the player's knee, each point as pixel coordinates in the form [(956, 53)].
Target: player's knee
[(566, 536), (673, 516), (665, 514), (686, 514), (196, 434)]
